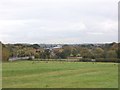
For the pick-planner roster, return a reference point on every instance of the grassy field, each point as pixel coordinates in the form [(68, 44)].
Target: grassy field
[(26, 74), (0, 75)]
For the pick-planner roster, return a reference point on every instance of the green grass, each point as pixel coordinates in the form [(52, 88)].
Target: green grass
[(24, 74), (0, 75)]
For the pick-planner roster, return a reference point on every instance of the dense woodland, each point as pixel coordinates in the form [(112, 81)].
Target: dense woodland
[(100, 52)]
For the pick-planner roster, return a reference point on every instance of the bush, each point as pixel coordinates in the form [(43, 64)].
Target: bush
[(107, 60), (5, 54), (85, 60), (101, 60)]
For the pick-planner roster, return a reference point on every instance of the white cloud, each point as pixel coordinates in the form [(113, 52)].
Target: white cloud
[(95, 33), (109, 26), (53, 20)]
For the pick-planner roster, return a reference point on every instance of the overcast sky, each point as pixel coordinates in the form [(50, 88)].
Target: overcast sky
[(58, 21)]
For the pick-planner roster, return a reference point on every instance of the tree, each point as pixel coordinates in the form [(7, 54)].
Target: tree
[(56, 53), (86, 53), (35, 46), (74, 52), (42, 55), (67, 50), (98, 52), (111, 54), (21, 53), (63, 55), (47, 53), (118, 53), (5, 53), (37, 55)]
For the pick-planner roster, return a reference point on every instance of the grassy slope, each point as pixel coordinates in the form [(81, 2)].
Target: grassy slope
[(59, 75)]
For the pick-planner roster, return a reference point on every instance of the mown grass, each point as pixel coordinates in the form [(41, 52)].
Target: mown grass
[(26, 74)]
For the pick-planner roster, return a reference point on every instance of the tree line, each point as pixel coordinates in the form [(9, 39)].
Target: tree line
[(101, 52)]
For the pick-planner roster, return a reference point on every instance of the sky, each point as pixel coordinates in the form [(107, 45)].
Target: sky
[(58, 21)]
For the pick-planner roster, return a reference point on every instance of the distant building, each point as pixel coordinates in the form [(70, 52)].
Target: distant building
[(72, 57), (56, 47), (21, 58), (93, 60)]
